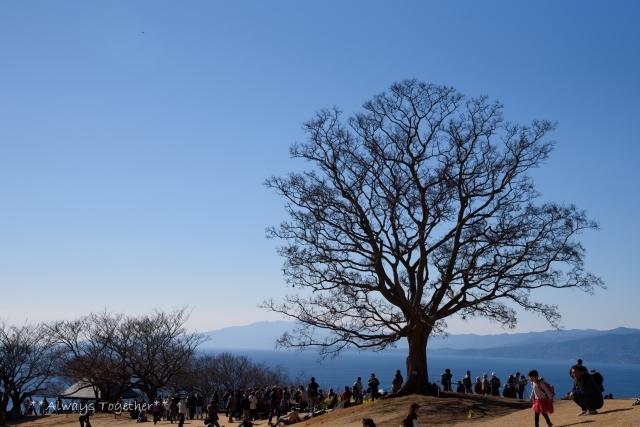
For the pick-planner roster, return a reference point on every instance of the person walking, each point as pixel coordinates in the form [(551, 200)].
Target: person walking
[(411, 419), (212, 413), (542, 399)]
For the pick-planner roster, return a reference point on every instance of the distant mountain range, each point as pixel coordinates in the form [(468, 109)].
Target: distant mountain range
[(620, 345)]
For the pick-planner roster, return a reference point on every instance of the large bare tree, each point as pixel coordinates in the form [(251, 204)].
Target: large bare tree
[(156, 347), (417, 209), (88, 354), (28, 361)]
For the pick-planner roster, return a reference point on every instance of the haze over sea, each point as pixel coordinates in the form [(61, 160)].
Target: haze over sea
[(619, 379)]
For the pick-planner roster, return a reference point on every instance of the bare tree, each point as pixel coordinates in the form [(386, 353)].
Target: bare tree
[(88, 353), (156, 347), (112, 352), (28, 359), (227, 371), (420, 208)]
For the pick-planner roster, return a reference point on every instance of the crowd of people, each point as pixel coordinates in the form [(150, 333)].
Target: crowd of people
[(283, 406), (513, 388)]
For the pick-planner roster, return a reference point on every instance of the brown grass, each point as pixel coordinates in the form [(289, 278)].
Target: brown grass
[(452, 412)]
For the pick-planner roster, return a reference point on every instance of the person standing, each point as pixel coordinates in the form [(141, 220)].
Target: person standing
[(478, 386), (411, 419), (373, 385), (466, 381), (522, 383), (585, 392), (183, 410), (542, 399), (495, 385), (230, 406), (357, 390), (304, 397), (174, 407), (253, 406), (312, 388), (486, 386), (199, 405), (191, 405), (445, 379), (156, 410), (396, 383)]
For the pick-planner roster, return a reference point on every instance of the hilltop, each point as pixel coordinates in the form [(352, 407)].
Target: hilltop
[(451, 412)]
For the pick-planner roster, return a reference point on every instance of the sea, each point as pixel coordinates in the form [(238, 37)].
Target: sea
[(621, 380)]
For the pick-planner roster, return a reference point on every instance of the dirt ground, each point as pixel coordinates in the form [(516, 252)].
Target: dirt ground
[(452, 412)]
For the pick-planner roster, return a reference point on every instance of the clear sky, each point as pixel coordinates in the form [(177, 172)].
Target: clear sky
[(135, 137)]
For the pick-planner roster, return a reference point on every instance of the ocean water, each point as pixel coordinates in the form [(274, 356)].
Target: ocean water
[(622, 380)]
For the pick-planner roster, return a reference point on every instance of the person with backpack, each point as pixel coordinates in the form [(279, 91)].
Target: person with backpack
[(411, 420), (598, 379), (542, 397), (586, 392), (373, 385)]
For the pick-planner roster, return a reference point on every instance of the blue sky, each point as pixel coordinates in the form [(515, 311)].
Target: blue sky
[(131, 163)]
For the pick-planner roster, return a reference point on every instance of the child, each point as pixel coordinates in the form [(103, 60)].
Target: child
[(541, 397)]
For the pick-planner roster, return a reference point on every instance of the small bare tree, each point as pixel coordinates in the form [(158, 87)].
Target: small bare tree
[(420, 208)]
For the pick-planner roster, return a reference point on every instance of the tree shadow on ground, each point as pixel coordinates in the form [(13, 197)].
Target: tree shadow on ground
[(610, 411), (575, 424)]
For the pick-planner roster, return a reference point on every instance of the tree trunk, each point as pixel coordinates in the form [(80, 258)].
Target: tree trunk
[(417, 380), (2, 409)]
